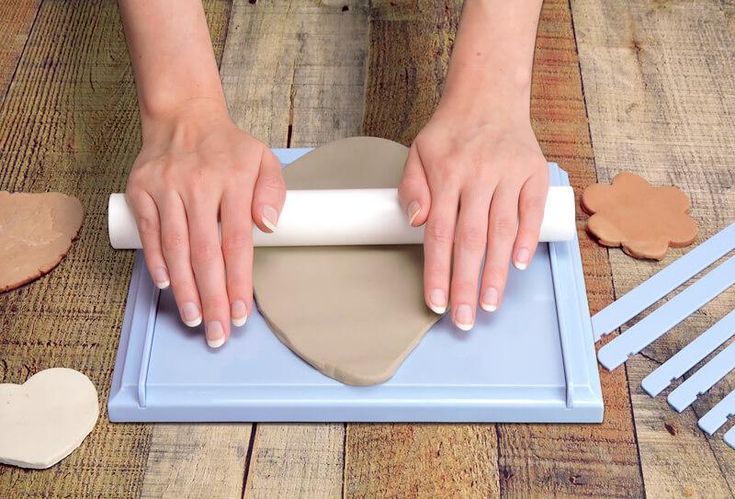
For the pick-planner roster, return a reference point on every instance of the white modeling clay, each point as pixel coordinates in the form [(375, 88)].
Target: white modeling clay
[(43, 420)]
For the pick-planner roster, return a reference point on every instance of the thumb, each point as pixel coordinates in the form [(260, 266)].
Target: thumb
[(269, 193), (413, 191)]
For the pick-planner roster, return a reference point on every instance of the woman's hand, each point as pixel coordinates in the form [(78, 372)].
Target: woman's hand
[(194, 169), (480, 186)]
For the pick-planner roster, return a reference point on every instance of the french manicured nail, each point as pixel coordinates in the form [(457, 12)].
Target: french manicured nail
[(190, 314), (215, 334), (463, 318), (270, 217), (160, 277), (414, 208), (438, 301), (489, 302), (522, 259), (239, 313)]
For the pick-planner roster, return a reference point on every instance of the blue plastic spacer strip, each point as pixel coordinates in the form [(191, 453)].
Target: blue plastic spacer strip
[(147, 347), (638, 299), (717, 416), (687, 357), (667, 316), (561, 292), (704, 379), (730, 437)]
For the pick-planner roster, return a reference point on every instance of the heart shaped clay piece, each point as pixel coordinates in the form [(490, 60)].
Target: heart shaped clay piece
[(352, 312), (43, 420), (36, 231)]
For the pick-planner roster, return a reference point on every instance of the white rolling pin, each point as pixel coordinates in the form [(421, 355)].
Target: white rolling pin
[(346, 217)]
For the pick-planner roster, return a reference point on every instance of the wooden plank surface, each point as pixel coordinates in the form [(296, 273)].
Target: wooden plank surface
[(69, 123), (659, 82), (199, 460), (409, 51), (410, 47), (595, 460), (293, 73), (15, 26)]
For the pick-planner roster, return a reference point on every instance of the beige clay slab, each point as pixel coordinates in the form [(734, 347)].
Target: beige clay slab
[(36, 231), (43, 420), (352, 312)]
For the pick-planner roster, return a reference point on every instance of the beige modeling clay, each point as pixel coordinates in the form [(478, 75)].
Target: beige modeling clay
[(643, 219), (353, 312), (36, 231), (43, 420)]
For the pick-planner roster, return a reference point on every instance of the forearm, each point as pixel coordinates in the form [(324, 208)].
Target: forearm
[(492, 59), (172, 56)]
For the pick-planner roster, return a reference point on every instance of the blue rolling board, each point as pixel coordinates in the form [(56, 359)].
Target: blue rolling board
[(531, 361)]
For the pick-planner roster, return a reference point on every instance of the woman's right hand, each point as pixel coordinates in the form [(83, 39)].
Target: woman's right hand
[(195, 168)]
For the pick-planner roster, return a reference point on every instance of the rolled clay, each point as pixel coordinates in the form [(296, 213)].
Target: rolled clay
[(36, 232), (643, 219), (338, 217), (353, 312), (43, 420)]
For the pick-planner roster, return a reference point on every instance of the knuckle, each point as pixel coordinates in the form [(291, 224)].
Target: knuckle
[(195, 183), (147, 225), (204, 253), (495, 276), (136, 180), (215, 306), (505, 227), (173, 242), (169, 175), (439, 231), (183, 289), (437, 267), (463, 290), (410, 182), (236, 241), (273, 183), (527, 233), (471, 237), (535, 202)]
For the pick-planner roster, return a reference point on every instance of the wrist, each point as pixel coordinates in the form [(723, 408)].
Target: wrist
[(478, 93), (195, 113)]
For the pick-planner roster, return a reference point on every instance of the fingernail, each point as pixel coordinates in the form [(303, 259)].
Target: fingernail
[(239, 313), (438, 301), (270, 217), (489, 302), (215, 334), (522, 259), (414, 208), (190, 314), (463, 318), (160, 277)]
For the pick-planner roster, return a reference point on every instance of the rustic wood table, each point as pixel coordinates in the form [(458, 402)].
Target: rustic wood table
[(645, 85)]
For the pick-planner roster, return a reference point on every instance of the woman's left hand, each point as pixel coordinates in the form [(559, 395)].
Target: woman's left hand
[(480, 187)]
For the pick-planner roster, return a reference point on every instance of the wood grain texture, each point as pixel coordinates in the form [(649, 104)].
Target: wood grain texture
[(203, 460), (69, 123), (293, 74), (571, 460), (16, 22), (410, 46), (660, 89), (199, 460)]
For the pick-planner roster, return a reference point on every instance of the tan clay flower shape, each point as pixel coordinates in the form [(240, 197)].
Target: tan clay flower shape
[(643, 219)]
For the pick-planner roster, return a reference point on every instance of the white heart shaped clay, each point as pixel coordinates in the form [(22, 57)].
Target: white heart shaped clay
[(43, 420)]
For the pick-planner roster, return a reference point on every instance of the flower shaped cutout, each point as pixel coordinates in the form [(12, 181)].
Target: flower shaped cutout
[(643, 219)]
